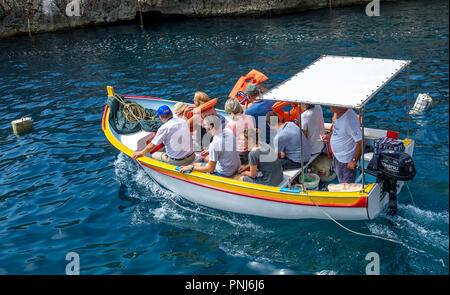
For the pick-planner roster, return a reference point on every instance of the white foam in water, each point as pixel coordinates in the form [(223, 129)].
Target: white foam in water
[(416, 225), (146, 189), (326, 272), (382, 230), (425, 215), (266, 268), (171, 209), (431, 237)]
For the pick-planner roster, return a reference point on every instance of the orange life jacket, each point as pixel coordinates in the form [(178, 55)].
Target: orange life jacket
[(205, 106), (188, 112), (292, 115), (238, 91), (191, 110)]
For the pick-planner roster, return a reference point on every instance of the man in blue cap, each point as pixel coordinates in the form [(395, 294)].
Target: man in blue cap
[(259, 108), (175, 136)]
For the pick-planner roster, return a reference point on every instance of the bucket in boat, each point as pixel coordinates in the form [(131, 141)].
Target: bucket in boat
[(311, 180)]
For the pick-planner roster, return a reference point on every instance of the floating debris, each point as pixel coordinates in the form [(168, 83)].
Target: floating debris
[(21, 125), (423, 101)]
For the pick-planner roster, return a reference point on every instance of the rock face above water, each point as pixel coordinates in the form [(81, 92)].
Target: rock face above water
[(24, 16)]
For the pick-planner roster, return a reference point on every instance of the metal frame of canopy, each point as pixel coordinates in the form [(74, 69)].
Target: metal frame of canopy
[(347, 74)]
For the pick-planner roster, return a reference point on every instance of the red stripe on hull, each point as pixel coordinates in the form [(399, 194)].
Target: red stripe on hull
[(104, 117)]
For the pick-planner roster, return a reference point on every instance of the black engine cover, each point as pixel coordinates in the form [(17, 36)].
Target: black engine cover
[(392, 164)]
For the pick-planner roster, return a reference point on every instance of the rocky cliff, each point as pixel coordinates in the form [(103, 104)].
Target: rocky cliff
[(34, 16)]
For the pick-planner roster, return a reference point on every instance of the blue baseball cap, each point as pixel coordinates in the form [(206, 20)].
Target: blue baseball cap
[(164, 110)]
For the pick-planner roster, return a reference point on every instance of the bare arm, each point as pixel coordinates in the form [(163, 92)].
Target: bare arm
[(352, 164), (243, 168), (144, 151), (252, 171), (209, 168)]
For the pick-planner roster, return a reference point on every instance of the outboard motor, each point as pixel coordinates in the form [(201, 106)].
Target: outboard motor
[(390, 166)]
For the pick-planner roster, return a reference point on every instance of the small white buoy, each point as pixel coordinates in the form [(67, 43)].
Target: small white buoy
[(423, 101), (21, 125)]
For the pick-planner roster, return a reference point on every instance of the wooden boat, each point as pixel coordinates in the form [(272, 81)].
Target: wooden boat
[(281, 201)]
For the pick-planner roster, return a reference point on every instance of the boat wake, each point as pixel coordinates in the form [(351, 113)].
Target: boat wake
[(269, 245), (157, 204), (416, 227)]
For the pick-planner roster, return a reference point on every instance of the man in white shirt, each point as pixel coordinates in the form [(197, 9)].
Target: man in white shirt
[(175, 136), (346, 143), (313, 126), (222, 157)]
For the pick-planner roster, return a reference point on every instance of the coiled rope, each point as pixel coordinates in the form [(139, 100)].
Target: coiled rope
[(133, 112)]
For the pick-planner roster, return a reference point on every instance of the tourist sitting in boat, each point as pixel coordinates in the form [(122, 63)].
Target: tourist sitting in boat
[(221, 158), (238, 123), (313, 126), (346, 143), (259, 108), (263, 158), (287, 142), (182, 110), (175, 135), (203, 106)]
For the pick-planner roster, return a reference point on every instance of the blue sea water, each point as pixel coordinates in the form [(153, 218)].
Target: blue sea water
[(64, 188)]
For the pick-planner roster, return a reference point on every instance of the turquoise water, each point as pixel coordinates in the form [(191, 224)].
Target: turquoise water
[(64, 188)]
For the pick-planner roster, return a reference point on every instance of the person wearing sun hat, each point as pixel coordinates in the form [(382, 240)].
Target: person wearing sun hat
[(259, 108), (175, 135)]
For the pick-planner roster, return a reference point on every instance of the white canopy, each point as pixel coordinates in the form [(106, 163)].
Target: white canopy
[(338, 81)]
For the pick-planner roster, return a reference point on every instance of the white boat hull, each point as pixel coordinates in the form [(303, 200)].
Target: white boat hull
[(246, 205)]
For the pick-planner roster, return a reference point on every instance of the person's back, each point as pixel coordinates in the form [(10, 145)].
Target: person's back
[(259, 108), (223, 150), (268, 164), (175, 136), (287, 140), (313, 123), (238, 124)]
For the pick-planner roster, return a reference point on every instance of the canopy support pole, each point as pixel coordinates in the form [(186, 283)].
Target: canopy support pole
[(361, 112), (407, 101), (301, 149)]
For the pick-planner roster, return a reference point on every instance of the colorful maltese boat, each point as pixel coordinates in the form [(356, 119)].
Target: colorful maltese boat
[(349, 82)]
